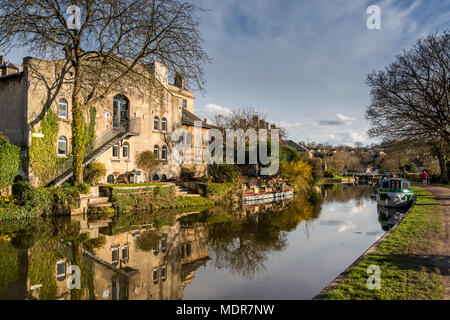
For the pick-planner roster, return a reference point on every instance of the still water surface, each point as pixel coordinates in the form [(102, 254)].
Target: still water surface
[(283, 251)]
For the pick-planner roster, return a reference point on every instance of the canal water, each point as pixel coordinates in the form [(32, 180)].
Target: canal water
[(289, 250)]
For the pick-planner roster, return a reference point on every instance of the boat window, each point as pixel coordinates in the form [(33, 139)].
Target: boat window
[(385, 185), (405, 185), (396, 185)]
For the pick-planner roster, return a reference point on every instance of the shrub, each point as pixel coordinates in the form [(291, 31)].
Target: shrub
[(224, 173), (298, 174), (94, 173), (9, 163), (24, 193), (288, 154), (84, 188), (147, 162)]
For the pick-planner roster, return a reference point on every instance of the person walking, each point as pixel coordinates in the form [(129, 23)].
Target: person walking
[(425, 177)]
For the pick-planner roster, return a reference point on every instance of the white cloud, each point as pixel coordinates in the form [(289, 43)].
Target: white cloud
[(211, 110), (338, 120)]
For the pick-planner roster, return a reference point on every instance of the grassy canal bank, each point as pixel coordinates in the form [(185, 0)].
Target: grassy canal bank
[(406, 271)]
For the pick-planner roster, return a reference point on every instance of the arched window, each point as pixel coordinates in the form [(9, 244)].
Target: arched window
[(62, 109), (156, 124), (164, 153), (155, 177), (156, 151), (110, 179), (164, 125), (62, 146), (115, 150), (126, 150), (164, 178)]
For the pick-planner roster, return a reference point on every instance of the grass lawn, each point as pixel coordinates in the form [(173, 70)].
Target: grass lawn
[(404, 275), (133, 185)]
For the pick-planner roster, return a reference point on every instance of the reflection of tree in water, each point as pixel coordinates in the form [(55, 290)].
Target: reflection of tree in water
[(244, 246), (344, 193)]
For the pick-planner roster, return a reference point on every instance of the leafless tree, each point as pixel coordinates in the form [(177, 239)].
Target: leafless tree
[(410, 98), (116, 40)]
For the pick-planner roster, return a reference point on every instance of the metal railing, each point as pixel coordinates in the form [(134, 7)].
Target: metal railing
[(131, 127)]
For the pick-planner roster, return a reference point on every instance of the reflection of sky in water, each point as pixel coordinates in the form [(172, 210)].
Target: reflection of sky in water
[(316, 253)]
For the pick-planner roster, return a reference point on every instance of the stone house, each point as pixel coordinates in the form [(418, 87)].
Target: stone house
[(133, 117)]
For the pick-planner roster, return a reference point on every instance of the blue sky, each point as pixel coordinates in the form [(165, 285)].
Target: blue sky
[(304, 63)]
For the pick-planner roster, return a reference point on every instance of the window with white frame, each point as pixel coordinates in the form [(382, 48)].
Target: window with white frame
[(115, 255), (62, 109), (125, 254), (164, 125), (115, 151), (61, 270), (164, 153), (164, 244), (163, 273), (62, 146), (184, 104), (156, 151), (155, 275), (156, 124), (126, 150)]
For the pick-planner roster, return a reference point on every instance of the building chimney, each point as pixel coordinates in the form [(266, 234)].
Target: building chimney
[(2, 60), (179, 80)]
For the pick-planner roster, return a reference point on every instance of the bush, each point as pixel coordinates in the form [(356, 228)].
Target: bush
[(24, 193), (84, 188), (224, 173), (288, 154), (298, 174), (9, 163), (94, 173)]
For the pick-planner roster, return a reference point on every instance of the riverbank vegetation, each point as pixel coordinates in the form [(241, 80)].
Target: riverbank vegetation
[(152, 199), (406, 273), (27, 201)]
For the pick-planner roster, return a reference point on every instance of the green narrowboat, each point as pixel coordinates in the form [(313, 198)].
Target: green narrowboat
[(395, 193)]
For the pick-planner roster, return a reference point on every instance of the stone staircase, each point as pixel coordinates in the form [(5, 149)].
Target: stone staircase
[(185, 192)]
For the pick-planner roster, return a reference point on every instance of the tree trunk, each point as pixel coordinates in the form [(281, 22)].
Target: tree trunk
[(78, 143), (443, 165)]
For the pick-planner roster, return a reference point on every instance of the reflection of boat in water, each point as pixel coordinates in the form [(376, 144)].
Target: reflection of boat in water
[(389, 217), (395, 193)]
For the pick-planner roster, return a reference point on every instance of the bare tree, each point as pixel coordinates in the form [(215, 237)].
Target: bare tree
[(410, 98), (115, 40)]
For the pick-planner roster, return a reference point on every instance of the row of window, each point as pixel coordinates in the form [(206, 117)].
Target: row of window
[(115, 255), (63, 113), (156, 274), (163, 124)]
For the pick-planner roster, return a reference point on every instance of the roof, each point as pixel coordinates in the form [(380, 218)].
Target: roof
[(297, 146), (189, 119), (11, 65)]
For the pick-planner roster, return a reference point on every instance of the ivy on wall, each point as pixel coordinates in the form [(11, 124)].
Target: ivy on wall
[(90, 130), (43, 156), (9, 163)]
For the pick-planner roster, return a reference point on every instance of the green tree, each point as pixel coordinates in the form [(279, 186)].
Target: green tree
[(410, 99)]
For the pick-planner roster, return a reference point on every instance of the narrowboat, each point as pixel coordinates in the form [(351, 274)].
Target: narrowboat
[(395, 193)]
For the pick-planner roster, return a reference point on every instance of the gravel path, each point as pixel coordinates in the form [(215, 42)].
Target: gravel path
[(441, 256)]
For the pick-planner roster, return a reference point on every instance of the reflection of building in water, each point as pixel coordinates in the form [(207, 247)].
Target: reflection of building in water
[(148, 264), (138, 264)]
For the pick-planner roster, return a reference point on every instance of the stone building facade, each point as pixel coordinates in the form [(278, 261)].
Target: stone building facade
[(155, 108)]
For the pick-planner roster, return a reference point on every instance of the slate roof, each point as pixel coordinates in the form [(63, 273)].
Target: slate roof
[(189, 119)]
